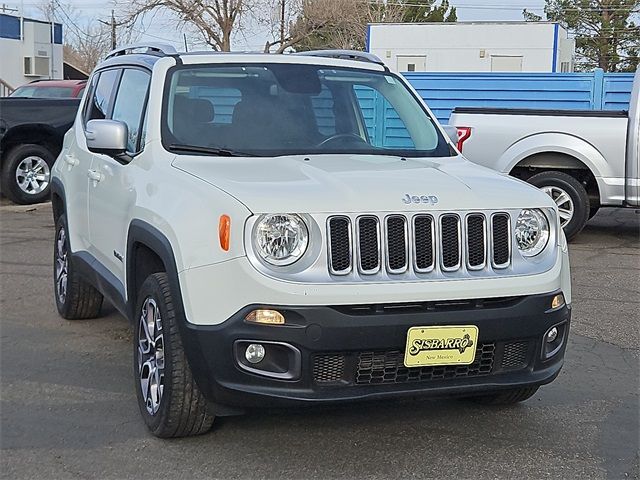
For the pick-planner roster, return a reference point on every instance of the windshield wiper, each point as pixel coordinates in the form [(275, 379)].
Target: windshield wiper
[(220, 152)]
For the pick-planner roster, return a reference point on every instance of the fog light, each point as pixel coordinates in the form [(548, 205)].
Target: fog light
[(254, 353), (558, 301), (551, 335), (271, 317)]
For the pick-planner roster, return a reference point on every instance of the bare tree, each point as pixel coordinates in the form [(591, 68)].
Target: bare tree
[(215, 20), (86, 42), (332, 23)]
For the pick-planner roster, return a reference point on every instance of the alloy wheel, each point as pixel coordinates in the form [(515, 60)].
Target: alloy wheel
[(33, 175), (564, 202), (151, 355), (62, 265)]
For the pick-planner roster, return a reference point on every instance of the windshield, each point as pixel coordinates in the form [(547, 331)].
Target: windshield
[(284, 109), (43, 92)]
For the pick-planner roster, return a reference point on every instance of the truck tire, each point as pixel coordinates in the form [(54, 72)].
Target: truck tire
[(570, 196), (506, 397), (169, 398), (26, 174), (75, 298)]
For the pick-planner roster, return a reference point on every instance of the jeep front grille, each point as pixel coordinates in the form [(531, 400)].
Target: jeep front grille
[(418, 244)]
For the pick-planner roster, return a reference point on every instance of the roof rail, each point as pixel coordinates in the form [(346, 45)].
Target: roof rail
[(160, 49), (344, 55)]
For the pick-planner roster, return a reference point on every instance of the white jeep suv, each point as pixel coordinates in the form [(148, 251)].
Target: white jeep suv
[(298, 229)]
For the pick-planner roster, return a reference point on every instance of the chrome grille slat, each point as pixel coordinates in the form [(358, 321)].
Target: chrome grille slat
[(450, 236), (500, 240), (397, 244), (420, 245), (340, 245), (424, 243), (476, 242), (368, 242)]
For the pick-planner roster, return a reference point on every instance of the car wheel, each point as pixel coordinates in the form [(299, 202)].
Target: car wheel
[(506, 397), (169, 398), (75, 298), (570, 197), (26, 174)]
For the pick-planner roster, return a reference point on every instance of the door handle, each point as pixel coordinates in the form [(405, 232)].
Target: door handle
[(71, 161), (95, 175)]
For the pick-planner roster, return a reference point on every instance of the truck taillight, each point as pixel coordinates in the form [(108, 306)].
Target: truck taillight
[(463, 135)]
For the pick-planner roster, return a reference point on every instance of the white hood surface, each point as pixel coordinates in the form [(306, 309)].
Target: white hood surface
[(360, 183)]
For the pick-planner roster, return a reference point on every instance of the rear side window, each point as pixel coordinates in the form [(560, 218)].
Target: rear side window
[(130, 103), (102, 95)]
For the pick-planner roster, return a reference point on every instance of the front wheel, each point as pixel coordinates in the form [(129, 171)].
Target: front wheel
[(170, 401), (569, 195)]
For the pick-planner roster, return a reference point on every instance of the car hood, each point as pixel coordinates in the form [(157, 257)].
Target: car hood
[(360, 183)]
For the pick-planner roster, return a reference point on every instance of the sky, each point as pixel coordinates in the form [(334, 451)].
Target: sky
[(161, 29)]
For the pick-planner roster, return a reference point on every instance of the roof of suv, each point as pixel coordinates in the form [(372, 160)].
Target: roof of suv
[(151, 53)]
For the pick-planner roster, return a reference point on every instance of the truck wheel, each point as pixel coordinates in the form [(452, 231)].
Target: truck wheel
[(26, 174), (506, 397), (570, 197), (75, 298), (169, 399)]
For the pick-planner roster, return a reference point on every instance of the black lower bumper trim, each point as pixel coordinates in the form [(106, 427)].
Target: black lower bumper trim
[(351, 353)]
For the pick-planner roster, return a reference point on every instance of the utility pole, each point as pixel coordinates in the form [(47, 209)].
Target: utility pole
[(113, 30), (282, 20), (112, 23)]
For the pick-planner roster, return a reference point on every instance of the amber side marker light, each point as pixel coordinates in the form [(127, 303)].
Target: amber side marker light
[(224, 231), (269, 317), (557, 301)]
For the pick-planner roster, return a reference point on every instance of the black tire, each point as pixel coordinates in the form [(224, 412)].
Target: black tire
[(13, 159), (506, 397), (576, 192), (75, 298), (180, 410)]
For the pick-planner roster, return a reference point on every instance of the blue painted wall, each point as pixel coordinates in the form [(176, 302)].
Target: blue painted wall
[(582, 91)]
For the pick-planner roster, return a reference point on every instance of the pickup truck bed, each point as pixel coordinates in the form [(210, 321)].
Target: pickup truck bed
[(584, 159)]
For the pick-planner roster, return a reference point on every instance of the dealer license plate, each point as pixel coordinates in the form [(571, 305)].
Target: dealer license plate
[(431, 346)]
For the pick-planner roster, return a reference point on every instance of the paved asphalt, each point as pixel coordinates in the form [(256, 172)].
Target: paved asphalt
[(68, 407)]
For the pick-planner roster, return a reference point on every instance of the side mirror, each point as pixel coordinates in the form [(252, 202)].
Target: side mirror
[(452, 133), (108, 137)]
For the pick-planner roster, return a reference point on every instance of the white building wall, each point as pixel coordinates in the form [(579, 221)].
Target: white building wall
[(36, 43), (469, 47)]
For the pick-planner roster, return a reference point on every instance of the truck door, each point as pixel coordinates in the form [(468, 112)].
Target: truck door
[(632, 181)]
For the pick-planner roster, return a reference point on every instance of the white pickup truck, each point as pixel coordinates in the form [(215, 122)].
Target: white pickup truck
[(583, 159)]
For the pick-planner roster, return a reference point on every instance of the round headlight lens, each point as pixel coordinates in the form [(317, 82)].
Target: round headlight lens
[(532, 232), (281, 239)]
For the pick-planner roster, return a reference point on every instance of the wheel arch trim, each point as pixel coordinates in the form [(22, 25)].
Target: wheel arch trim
[(557, 143)]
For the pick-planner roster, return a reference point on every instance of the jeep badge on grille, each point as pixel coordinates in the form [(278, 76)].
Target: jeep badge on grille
[(428, 199)]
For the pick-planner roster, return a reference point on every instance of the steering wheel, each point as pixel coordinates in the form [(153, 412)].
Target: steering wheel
[(341, 136)]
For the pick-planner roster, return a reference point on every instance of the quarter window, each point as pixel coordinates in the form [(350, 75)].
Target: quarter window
[(130, 103)]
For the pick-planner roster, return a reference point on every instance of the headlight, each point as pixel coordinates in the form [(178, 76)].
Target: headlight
[(532, 232), (281, 239)]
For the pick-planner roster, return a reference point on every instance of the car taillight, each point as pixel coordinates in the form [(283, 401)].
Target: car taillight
[(463, 135)]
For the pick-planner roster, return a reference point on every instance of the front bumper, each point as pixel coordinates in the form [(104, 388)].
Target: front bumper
[(356, 352)]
